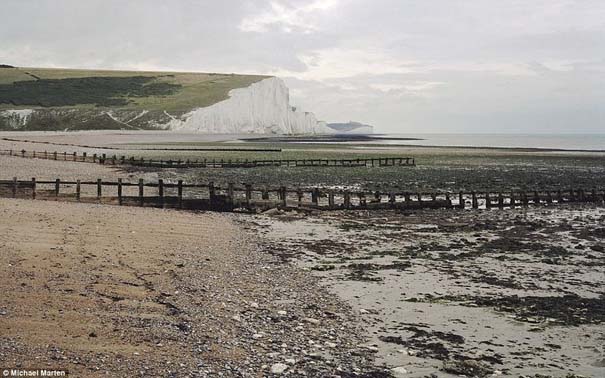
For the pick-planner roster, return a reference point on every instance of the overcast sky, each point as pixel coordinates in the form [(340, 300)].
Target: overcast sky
[(527, 66)]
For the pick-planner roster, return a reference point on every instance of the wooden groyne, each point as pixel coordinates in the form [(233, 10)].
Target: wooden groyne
[(245, 197), (105, 159), (205, 149)]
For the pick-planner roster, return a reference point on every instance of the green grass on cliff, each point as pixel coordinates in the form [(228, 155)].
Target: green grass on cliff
[(35, 88)]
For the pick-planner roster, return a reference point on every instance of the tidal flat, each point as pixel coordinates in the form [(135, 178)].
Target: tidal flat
[(513, 292)]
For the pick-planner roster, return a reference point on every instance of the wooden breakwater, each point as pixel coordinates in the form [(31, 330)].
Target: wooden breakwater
[(245, 197), (105, 159), (205, 149)]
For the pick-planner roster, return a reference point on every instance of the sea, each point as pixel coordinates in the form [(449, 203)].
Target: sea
[(585, 142)]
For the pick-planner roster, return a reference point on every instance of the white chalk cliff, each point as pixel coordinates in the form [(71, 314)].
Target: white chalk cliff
[(263, 107)]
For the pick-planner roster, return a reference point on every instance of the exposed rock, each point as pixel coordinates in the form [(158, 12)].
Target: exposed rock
[(278, 368)]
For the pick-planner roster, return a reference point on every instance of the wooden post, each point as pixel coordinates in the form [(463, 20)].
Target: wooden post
[(83, 156), (141, 193), (264, 194), (57, 186), (211, 193), (180, 193), (23, 153), (448, 200), (536, 198), (594, 195), (362, 200), (34, 154), (461, 200), (104, 158), (559, 196), (120, 191), (78, 190), (230, 193), (15, 187), (377, 196), (524, 198), (488, 201), (548, 196), (314, 195), (500, 200), (512, 199), (347, 199), (99, 190), (74, 156), (392, 199), (474, 201), (299, 194), (248, 194), (406, 197), (161, 191), (33, 188), (331, 199), (284, 196)]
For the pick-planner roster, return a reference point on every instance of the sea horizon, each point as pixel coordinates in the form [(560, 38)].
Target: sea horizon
[(558, 141)]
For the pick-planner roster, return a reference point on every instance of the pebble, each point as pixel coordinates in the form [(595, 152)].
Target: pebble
[(278, 368), (399, 370), (282, 312)]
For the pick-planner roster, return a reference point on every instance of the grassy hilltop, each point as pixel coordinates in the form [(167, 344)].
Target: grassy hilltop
[(40, 88), (70, 99)]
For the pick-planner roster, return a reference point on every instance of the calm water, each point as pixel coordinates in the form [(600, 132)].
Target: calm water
[(551, 141)]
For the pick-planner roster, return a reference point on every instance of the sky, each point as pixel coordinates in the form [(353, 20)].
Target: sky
[(403, 66)]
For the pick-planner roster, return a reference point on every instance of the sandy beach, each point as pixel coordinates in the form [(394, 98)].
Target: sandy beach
[(105, 290), (102, 290)]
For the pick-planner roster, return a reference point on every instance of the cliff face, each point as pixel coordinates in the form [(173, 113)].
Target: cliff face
[(262, 107)]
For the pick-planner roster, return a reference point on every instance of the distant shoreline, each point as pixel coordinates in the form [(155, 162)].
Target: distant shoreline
[(339, 138), (322, 139)]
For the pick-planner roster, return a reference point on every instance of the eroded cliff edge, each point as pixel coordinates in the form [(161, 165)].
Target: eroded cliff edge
[(257, 105)]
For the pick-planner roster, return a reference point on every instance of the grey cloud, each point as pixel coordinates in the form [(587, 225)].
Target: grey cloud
[(402, 65)]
